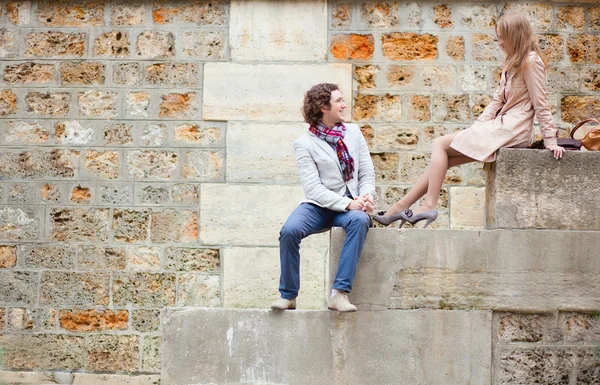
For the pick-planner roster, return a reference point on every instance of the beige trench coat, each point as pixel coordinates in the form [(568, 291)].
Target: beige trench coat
[(508, 120)]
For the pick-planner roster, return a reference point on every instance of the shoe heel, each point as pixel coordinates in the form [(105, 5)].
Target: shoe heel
[(429, 220), (402, 223)]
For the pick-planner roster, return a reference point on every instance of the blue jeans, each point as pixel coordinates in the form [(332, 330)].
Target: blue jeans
[(308, 219)]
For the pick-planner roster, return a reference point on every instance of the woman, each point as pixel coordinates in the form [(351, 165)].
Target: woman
[(506, 122)]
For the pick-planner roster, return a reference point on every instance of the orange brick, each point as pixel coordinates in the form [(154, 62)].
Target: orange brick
[(352, 46), (93, 320)]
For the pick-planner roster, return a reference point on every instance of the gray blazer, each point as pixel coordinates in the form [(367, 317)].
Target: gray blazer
[(321, 173)]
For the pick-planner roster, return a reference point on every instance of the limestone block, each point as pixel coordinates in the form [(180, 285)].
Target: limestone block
[(386, 166), (82, 72), (479, 16), (20, 223), (479, 102), (485, 48), (473, 78), (541, 271), (103, 163), (48, 104), (55, 44), (413, 14), (341, 15), (59, 288), (81, 194), (123, 14), (439, 77), (576, 108), (154, 134), (144, 289), (380, 15), (152, 194), (204, 45), (2, 326), (146, 321), (590, 79), (394, 137), (8, 257), (113, 353), (260, 32), (151, 354), (467, 207), (584, 48), (199, 290), (251, 275), (18, 287), (539, 15), (24, 132), (152, 165), (173, 74), (156, 44), (201, 134), (115, 194), (79, 224), (129, 74), (203, 13), (594, 18), (71, 132), (179, 105), (177, 226), (401, 76), (137, 103), (563, 79), (455, 48), (70, 14), (581, 327), (8, 46), (38, 164), (28, 377), (130, 226), (93, 320), (442, 16), (386, 108), (184, 194), (18, 12), (143, 258), (43, 351), (29, 73), (365, 76), (203, 165), (251, 91), (50, 192), (409, 46), (451, 108), (20, 193), (95, 257), (112, 44), (8, 102), (262, 151), (47, 256), (515, 199), (118, 134), (248, 215), (192, 259), (392, 347), (98, 104), (552, 46)]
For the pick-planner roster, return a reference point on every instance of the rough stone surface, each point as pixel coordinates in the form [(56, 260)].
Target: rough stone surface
[(50, 193), (531, 207), (261, 32), (156, 44), (172, 74), (24, 132), (82, 72), (393, 137), (590, 79), (102, 163), (380, 15), (409, 46), (584, 48), (143, 258), (451, 108), (341, 16), (47, 256), (120, 353), (81, 195), (130, 226), (539, 15), (112, 44), (19, 224), (518, 327), (115, 379), (8, 103), (401, 76), (197, 135), (442, 16), (198, 290), (28, 73), (577, 108), (93, 320), (128, 74), (18, 12), (98, 104), (151, 351), (365, 75), (144, 289), (479, 16), (340, 348), (70, 14), (386, 108), (471, 269), (8, 257), (179, 105), (203, 165), (43, 351), (71, 132), (146, 321), (153, 195), (124, 14), (455, 48), (79, 225), (55, 44), (204, 45), (137, 104), (485, 48), (203, 13), (192, 259), (116, 194), (18, 287), (38, 163), (94, 257), (352, 46), (154, 134), (184, 194), (179, 226), (54, 104), (118, 134), (149, 165), (74, 289), (552, 46), (570, 18), (467, 209)]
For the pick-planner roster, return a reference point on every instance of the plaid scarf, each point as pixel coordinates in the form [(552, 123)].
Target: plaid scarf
[(335, 136)]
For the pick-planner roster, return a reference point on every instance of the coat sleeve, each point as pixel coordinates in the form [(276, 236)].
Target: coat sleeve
[(534, 75), (311, 183), (366, 171), (492, 107)]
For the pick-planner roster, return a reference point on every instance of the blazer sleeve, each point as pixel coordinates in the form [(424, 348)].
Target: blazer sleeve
[(366, 171), (492, 107), (534, 75), (311, 183)]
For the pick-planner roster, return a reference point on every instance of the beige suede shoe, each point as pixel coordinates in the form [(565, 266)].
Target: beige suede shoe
[(284, 304), (340, 302)]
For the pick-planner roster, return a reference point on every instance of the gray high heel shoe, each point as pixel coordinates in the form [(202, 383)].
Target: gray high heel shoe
[(386, 219), (412, 218)]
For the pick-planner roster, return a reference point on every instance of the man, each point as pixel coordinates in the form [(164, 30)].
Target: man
[(338, 179)]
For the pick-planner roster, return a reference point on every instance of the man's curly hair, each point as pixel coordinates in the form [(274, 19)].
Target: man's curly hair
[(315, 99)]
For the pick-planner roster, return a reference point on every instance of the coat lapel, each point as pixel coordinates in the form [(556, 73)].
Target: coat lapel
[(327, 148)]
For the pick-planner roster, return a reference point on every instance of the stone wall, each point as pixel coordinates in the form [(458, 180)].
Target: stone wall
[(146, 156)]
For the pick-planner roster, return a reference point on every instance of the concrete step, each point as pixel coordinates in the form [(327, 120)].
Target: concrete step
[(400, 347), (513, 270), (529, 189)]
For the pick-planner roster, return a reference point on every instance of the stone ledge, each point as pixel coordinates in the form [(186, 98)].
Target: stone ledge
[(530, 189), (525, 270), (229, 346)]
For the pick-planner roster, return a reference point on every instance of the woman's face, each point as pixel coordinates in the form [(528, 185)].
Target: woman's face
[(500, 41)]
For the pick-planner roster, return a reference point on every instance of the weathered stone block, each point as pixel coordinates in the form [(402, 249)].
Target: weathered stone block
[(95, 257), (156, 44), (580, 327), (152, 194), (50, 192), (28, 73), (253, 216), (2, 322), (18, 12), (79, 225), (18, 287), (146, 321), (20, 223), (55, 104), (467, 209), (148, 165), (584, 48), (341, 15), (451, 108), (124, 14), (539, 15), (120, 194), (254, 27), (439, 77), (480, 102), (143, 258), (24, 132), (563, 79), (192, 259), (8, 48), (46, 256), (81, 194), (128, 74), (485, 48), (201, 12), (8, 103), (93, 320), (130, 226), (532, 207), (393, 137), (173, 74), (31, 319), (594, 18), (115, 379), (230, 92), (179, 105), (197, 134), (183, 194), (576, 108), (43, 351), (473, 78), (203, 165), (137, 103), (519, 327), (144, 289), (590, 79), (8, 257), (380, 14), (118, 134), (442, 16), (552, 46), (154, 134), (401, 76), (199, 290), (55, 44), (570, 18), (409, 46), (112, 44), (102, 163), (386, 166), (74, 289), (204, 45), (20, 193), (365, 76), (455, 48), (73, 133), (479, 16), (38, 164), (180, 226), (151, 354), (384, 108), (417, 108), (113, 353), (70, 14), (98, 104), (82, 73)]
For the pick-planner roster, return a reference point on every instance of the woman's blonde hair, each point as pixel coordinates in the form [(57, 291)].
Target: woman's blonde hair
[(519, 41)]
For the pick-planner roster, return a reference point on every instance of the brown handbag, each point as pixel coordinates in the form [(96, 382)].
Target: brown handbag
[(591, 140)]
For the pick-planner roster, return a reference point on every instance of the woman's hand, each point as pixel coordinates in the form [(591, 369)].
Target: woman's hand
[(558, 151)]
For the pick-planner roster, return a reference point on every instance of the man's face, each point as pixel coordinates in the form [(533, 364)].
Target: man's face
[(336, 113)]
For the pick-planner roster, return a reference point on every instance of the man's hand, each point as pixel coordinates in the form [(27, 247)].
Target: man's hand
[(356, 204), (558, 151), (368, 203)]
